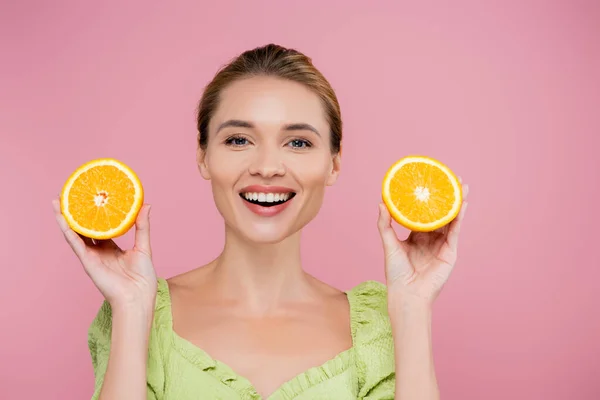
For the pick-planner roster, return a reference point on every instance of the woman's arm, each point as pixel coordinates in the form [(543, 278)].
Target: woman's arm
[(416, 269), (127, 280), (125, 376), (411, 329)]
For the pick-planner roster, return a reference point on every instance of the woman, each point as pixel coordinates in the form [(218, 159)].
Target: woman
[(251, 324)]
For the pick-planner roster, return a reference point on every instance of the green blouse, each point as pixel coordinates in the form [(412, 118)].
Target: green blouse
[(179, 370)]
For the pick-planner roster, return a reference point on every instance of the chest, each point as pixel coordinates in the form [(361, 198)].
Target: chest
[(267, 351), (337, 379)]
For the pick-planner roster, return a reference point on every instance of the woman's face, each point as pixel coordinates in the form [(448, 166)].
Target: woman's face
[(268, 157)]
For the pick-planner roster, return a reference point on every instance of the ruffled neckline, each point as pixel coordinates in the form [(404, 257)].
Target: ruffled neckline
[(360, 316)]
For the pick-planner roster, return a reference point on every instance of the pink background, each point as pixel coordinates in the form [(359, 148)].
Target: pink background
[(505, 93)]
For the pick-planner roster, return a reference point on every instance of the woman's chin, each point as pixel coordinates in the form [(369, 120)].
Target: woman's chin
[(264, 235)]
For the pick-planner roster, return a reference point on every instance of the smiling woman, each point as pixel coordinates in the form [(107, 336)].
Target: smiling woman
[(264, 132), (252, 324)]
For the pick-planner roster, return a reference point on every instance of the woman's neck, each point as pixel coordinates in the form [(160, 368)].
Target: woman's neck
[(262, 275)]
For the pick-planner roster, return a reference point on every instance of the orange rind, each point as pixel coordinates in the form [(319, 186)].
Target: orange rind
[(102, 198), (421, 193)]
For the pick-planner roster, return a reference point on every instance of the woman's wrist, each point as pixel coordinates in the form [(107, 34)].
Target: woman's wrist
[(139, 314), (144, 303), (401, 304), (141, 297), (129, 313)]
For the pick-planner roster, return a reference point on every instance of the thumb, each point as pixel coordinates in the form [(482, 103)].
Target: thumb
[(388, 236), (142, 231)]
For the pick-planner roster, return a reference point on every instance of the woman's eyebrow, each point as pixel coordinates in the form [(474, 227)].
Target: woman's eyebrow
[(237, 123)]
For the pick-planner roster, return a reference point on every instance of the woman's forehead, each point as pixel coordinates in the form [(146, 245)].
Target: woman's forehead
[(270, 102)]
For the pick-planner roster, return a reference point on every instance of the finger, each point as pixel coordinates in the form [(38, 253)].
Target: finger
[(88, 241), (388, 236), (142, 230), (443, 230), (99, 243), (77, 244), (104, 244), (454, 227)]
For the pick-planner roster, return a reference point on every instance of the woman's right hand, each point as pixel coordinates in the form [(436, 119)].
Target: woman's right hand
[(124, 277)]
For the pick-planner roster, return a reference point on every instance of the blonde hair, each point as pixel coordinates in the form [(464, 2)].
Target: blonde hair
[(277, 61)]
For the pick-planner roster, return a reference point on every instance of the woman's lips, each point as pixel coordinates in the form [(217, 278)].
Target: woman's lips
[(265, 210)]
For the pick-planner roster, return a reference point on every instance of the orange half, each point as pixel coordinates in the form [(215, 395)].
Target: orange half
[(102, 199), (421, 193)]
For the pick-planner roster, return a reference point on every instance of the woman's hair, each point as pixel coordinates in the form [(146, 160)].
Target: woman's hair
[(275, 61)]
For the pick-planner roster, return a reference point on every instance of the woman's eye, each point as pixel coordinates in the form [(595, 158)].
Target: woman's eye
[(299, 143), (237, 141)]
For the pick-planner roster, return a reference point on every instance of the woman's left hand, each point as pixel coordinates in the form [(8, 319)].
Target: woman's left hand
[(418, 267)]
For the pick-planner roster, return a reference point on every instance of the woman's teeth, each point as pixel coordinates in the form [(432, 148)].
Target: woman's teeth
[(266, 197)]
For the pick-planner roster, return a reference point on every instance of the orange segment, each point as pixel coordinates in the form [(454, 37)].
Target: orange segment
[(102, 198), (421, 193)]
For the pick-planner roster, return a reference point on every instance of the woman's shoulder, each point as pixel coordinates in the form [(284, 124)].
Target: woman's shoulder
[(372, 335), (369, 312), (368, 300)]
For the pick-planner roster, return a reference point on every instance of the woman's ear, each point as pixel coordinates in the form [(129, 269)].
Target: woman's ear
[(201, 161), (335, 169)]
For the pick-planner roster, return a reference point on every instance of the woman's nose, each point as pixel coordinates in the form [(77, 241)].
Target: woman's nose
[(267, 163)]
